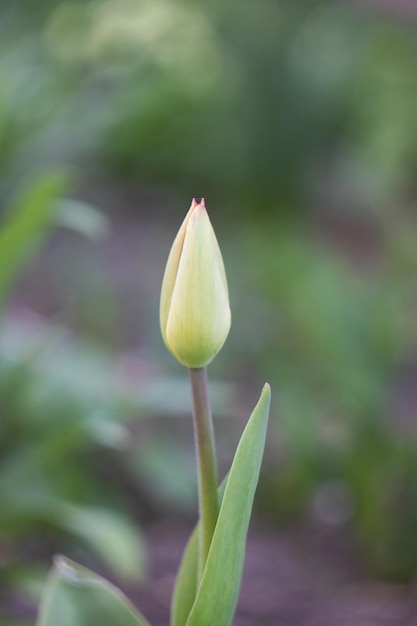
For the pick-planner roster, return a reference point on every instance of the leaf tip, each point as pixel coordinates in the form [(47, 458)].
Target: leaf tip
[(72, 573), (266, 392), (64, 568)]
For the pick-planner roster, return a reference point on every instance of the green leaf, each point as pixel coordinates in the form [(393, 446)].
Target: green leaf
[(76, 596), (186, 582), (26, 224), (218, 592)]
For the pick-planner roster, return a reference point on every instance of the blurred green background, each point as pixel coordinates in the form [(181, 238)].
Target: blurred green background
[(297, 122)]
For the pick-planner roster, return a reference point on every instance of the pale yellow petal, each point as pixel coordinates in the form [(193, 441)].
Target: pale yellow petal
[(170, 275)]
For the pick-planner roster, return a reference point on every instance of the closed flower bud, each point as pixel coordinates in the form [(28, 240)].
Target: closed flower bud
[(195, 312)]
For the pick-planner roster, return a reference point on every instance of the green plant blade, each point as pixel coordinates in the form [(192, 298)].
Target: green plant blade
[(75, 596), (26, 225), (186, 583), (218, 592), (185, 589)]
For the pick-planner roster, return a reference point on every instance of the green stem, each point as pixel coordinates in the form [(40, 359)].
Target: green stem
[(206, 461)]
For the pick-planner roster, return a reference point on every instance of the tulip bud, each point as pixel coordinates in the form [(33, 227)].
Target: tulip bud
[(194, 312)]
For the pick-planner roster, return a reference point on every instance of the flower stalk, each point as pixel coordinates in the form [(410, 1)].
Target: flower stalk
[(206, 462)]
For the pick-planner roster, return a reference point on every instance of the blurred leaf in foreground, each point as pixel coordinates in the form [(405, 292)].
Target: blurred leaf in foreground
[(75, 596)]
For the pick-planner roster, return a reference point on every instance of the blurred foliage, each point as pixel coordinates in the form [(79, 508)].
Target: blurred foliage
[(58, 412), (262, 105), (45, 427), (341, 347)]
